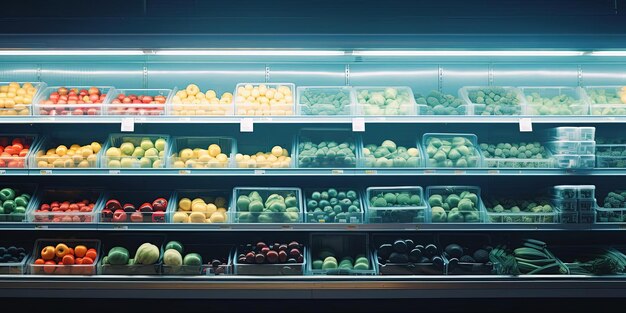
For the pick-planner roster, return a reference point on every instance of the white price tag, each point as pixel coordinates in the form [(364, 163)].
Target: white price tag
[(184, 119), (184, 172), (2, 172), (525, 125), (358, 124), (259, 172), (128, 124), (45, 172), (121, 227), (246, 126), (336, 172), (41, 226), (114, 172), (371, 172)]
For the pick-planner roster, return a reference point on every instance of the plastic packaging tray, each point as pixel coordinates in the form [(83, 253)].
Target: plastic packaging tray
[(131, 243), (611, 155), (338, 135), (548, 162), (570, 133), (269, 217), (42, 109), (116, 140), (586, 205), (577, 107), (206, 105), (61, 194), (575, 161), (16, 268), (431, 104), (483, 109), (383, 105), (307, 104), (524, 217), (244, 151), (25, 109), (431, 162), (76, 269), (137, 108), (226, 144), (569, 217), (277, 269), (208, 253), (208, 195), (566, 205), (30, 189), (610, 215), (469, 243), (397, 214), (605, 100), (406, 268), (566, 191), (137, 198), (447, 190), (587, 192), (345, 245), (39, 159), (572, 147), (243, 106), (412, 156), (338, 216), (12, 162)]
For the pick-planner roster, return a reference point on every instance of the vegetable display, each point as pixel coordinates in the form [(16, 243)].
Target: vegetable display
[(451, 151), (334, 206), (438, 103), (386, 206), (562, 104), (279, 207), (13, 203), (325, 154), (495, 101), (385, 101), (506, 210), (531, 258), (325, 101), (515, 155), (389, 154), (606, 101), (448, 206)]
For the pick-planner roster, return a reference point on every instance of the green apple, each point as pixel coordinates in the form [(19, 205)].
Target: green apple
[(146, 144), (152, 153), (157, 164), (160, 144), (138, 153), (113, 153), (127, 148), (145, 163), (186, 154), (114, 164), (128, 162)]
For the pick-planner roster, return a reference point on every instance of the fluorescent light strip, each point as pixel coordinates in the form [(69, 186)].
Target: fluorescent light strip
[(608, 53), (252, 52), (71, 52), (461, 53)]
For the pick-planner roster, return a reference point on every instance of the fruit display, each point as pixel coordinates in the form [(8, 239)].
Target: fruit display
[(451, 150), (204, 208), (409, 257), (136, 152), (277, 157), (389, 154), (467, 255), (507, 210), (72, 100), (134, 211), (516, 155), (13, 204), (494, 100), (324, 100), (396, 205), (317, 149), (337, 254), (118, 261), (138, 102), (279, 258), (65, 257), (333, 206), (14, 150), (264, 99), (62, 156), (64, 206), (262, 205), (589, 260), (192, 101), (385, 100), (11, 254), (607, 101), (454, 204), (201, 152), (531, 258), (553, 101), (438, 103), (16, 99), (179, 259)]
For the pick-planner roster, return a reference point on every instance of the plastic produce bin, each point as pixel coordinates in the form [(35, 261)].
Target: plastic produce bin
[(474, 216), (587, 192), (82, 158), (59, 109), (248, 103), (19, 161), (325, 101), (575, 161), (276, 212), (76, 269), (16, 215), (572, 147), (610, 215), (131, 243), (209, 104), (347, 205), (586, 205), (570, 133), (217, 152), (438, 103), (136, 198), (527, 217), (353, 245), (611, 156), (276, 153), (470, 243), (569, 217), (23, 109), (464, 151), (384, 101), (15, 268), (62, 194), (412, 211), (548, 162), (384, 152), (410, 268), (210, 196), (267, 269), (565, 191), (208, 252), (157, 157), (566, 205), (493, 100), (554, 101), (586, 217), (152, 107), (313, 151), (606, 100)]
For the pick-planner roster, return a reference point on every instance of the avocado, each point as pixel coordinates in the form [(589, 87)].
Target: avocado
[(415, 255), (396, 257), (385, 250), (481, 256), (431, 250), (454, 251), (400, 246)]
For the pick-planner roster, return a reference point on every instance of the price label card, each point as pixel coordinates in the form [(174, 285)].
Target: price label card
[(2, 172), (184, 119), (259, 172), (128, 124), (114, 172), (337, 172), (459, 172), (41, 226), (371, 172), (45, 172), (246, 125), (525, 125), (493, 172), (120, 226), (358, 124), (184, 172)]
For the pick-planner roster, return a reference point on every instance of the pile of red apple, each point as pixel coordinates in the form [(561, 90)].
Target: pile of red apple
[(261, 253), (137, 105), (153, 212), (72, 101), (13, 154), (65, 212)]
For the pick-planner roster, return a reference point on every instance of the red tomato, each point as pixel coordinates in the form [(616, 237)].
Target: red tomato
[(146, 99), (94, 97), (94, 91), (83, 92), (62, 91)]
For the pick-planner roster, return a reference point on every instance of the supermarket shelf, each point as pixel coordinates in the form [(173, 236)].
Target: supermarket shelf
[(309, 287)]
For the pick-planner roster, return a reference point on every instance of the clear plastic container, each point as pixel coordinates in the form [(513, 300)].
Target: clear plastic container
[(437, 154), (208, 104), (566, 205), (476, 216), (565, 191), (586, 205), (410, 268), (437, 103), (274, 99), (412, 211), (569, 217), (548, 162), (312, 148), (524, 217), (15, 268), (135, 212), (73, 195), (379, 152), (586, 217), (210, 196), (275, 269), (320, 210), (202, 152), (570, 133), (384, 101), (539, 214), (611, 156), (352, 245), (208, 252), (554, 101), (587, 192), (488, 100), (587, 133), (610, 215), (131, 243), (10, 107), (606, 100), (43, 105), (76, 269), (572, 147), (126, 102), (470, 243), (81, 156), (273, 153), (16, 157), (154, 156), (587, 161), (27, 191), (325, 101), (287, 213)]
